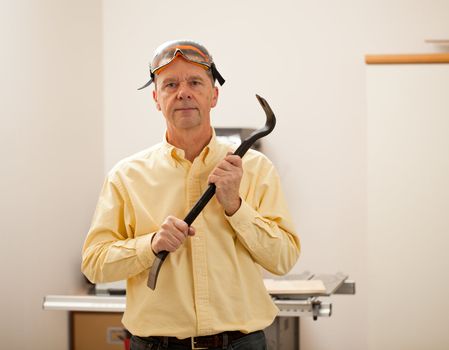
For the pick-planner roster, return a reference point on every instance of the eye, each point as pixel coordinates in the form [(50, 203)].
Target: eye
[(195, 83), (170, 85)]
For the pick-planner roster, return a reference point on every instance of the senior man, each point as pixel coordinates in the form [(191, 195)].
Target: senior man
[(210, 292)]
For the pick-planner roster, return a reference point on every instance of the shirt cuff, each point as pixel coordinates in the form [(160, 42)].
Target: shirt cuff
[(242, 221), (143, 249)]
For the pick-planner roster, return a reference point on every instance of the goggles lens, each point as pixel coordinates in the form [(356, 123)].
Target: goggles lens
[(192, 53)]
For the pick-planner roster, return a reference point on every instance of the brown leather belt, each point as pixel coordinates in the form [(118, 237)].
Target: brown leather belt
[(204, 342)]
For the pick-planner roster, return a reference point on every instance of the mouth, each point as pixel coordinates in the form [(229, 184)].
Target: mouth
[(185, 109)]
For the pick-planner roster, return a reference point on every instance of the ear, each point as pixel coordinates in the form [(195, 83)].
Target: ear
[(214, 97), (158, 106)]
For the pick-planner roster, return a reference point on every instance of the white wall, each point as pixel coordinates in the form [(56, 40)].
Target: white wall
[(307, 59), (408, 206), (51, 160)]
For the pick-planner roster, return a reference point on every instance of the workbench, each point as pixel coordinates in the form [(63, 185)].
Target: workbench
[(90, 310)]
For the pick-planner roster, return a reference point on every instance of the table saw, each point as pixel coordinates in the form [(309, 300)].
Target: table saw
[(294, 300)]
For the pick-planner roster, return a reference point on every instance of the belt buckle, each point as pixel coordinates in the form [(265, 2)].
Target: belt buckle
[(192, 341)]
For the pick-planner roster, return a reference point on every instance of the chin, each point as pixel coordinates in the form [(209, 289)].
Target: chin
[(188, 123)]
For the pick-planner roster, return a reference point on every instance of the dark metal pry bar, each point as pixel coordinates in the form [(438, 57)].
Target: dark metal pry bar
[(209, 193)]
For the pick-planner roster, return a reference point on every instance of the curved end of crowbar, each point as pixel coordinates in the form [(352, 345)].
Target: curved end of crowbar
[(155, 268), (271, 119)]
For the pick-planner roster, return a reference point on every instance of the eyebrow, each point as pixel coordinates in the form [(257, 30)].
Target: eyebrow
[(173, 79), (196, 77)]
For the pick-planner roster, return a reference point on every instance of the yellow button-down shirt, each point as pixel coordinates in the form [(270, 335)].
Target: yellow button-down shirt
[(213, 282)]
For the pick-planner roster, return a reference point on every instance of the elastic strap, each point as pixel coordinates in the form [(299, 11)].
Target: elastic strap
[(148, 83), (216, 74)]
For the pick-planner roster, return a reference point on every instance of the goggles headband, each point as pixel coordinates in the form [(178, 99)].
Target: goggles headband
[(188, 50)]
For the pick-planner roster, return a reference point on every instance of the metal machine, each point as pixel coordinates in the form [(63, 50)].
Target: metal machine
[(283, 334)]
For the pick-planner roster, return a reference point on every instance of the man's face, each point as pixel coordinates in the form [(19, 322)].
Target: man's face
[(185, 95)]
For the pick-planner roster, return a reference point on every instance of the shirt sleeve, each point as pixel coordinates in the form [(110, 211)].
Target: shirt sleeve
[(264, 226), (110, 251)]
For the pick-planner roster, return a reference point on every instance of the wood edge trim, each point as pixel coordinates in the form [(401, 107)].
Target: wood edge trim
[(408, 59)]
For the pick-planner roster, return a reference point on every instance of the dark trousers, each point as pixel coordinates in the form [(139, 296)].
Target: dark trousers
[(252, 341)]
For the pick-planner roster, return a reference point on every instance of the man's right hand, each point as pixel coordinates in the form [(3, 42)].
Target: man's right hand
[(171, 235)]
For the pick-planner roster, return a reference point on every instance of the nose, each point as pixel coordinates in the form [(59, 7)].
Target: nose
[(184, 91)]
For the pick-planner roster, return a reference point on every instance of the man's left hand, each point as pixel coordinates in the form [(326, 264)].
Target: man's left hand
[(226, 177)]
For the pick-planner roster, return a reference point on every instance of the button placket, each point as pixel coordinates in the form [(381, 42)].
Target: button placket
[(199, 256)]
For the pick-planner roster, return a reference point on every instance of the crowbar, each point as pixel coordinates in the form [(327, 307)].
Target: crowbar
[(209, 193)]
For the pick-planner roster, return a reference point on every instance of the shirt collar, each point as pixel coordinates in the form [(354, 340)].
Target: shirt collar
[(177, 155)]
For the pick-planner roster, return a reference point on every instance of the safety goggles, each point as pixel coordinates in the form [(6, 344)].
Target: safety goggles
[(188, 50)]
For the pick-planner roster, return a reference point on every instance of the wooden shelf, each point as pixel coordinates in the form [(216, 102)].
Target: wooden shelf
[(408, 59)]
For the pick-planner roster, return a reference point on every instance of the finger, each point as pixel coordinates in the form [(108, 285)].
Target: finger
[(225, 166), (220, 172), (170, 229), (192, 231), (234, 160), (168, 238), (171, 248), (215, 179), (230, 163), (181, 226), (165, 243), (178, 237)]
